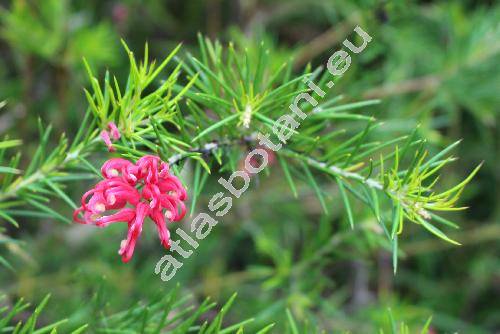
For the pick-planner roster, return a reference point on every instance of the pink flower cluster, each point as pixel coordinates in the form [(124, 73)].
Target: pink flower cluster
[(107, 136), (131, 193)]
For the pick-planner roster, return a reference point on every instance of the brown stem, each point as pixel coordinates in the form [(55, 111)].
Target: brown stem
[(323, 42), (428, 82), (213, 17)]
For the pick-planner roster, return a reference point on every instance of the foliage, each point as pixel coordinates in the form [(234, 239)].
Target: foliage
[(375, 171), (168, 313)]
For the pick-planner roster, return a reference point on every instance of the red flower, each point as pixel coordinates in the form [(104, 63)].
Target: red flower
[(115, 135), (130, 193)]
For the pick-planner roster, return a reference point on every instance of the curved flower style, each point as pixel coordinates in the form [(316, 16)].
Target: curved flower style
[(130, 193)]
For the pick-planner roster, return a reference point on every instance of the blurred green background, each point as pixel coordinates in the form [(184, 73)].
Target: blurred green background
[(433, 63)]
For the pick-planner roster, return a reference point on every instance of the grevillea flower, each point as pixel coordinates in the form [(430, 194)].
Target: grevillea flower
[(130, 193), (113, 132)]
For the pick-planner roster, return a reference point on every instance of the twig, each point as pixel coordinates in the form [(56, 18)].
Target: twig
[(210, 147), (323, 42), (428, 82)]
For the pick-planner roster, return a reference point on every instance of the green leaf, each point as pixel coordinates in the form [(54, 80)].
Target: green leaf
[(215, 126), (6, 264), (346, 202), (266, 329), (288, 175), (49, 211), (437, 232), (10, 143), (345, 107), (61, 193), (315, 186), (8, 218), (394, 244), (397, 216), (291, 322)]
